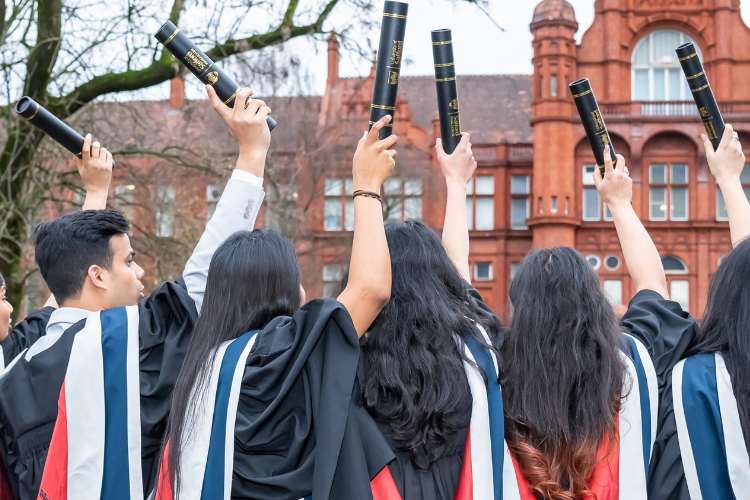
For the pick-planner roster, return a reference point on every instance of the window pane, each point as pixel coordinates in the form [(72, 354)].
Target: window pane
[(349, 215), (210, 209), (680, 293), (392, 186), (165, 210), (679, 174), (658, 174), (642, 54), (413, 187), (591, 204), (745, 175), (675, 84), (518, 210), (332, 215), (613, 291), (514, 267), (721, 206), (519, 184), (747, 193), (349, 187), (553, 205), (607, 213), (393, 209), (658, 197), (664, 43), (485, 184), (328, 290), (213, 192), (125, 197), (469, 213), (659, 89), (553, 86), (485, 213), (588, 175), (483, 271), (333, 187), (332, 272), (679, 204), (641, 85), (413, 209)]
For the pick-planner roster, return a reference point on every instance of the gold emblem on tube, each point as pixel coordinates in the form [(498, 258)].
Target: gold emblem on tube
[(710, 130), (196, 60), (455, 126), (172, 36), (598, 121), (453, 104), (393, 77), (212, 77)]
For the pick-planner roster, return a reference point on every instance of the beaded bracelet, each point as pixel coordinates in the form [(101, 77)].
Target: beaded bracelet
[(367, 194)]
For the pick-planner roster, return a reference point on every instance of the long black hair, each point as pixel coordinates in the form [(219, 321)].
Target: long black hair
[(416, 379), (726, 326), (563, 373), (253, 278)]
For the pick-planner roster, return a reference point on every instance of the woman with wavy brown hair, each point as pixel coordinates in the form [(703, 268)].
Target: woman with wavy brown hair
[(581, 392)]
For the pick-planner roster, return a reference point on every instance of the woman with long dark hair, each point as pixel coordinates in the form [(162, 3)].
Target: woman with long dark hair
[(706, 407), (263, 405), (581, 392), (428, 350)]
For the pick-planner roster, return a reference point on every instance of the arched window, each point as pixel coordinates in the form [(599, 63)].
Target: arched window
[(657, 75), (679, 286), (673, 265)]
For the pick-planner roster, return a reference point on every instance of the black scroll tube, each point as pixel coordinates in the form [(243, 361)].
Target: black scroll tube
[(51, 125), (388, 68), (702, 93), (447, 93), (593, 123), (201, 66)]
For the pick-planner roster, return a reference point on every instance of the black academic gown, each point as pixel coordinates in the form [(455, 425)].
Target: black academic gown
[(440, 482), (301, 425), (29, 392), (25, 333), (666, 331)]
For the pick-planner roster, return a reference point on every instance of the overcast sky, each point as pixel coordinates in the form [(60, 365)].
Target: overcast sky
[(480, 47)]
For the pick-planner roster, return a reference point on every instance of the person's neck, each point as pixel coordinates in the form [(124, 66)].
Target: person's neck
[(84, 302)]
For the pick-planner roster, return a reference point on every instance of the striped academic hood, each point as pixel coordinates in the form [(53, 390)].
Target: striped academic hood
[(712, 445), (95, 451)]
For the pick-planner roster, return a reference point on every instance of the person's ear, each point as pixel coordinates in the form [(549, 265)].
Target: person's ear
[(97, 277)]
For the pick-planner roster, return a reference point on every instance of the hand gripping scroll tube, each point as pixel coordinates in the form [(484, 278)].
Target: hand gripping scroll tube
[(447, 93), (593, 122), (51, 125), (702, 93), (388, 69), (200, 65)]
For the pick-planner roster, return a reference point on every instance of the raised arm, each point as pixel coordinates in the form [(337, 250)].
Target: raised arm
[(241, 200), (95, 169), (458, 169), (369, 286), (641, 256), (726, 164)]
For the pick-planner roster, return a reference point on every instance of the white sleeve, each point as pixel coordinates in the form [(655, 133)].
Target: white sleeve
[(236, 211)]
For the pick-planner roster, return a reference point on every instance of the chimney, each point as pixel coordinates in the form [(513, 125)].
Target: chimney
[(333, 60), (176, 93)]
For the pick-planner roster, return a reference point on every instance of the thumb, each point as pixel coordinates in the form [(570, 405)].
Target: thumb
[(707, 144), (597, 178), (464, 140)]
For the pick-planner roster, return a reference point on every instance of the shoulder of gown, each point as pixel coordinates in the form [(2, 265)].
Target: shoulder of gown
[(300, 425), (25, 333), (483, 311)]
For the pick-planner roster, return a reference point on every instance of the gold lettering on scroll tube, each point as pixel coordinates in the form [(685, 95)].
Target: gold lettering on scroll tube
[(598, 122), (212, 77), (455, 126), (605, 139), (453, 104), (710, 130), (398, 47), (196, 60), (393, 77), (703, 112)]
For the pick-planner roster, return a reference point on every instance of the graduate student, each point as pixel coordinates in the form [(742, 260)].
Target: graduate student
[(266, 405), (89, 265), (428, 356), (702, 450), (96, 175), (580, 397)]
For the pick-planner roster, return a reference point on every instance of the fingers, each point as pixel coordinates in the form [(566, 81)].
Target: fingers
[(597, 177), (389, 142), (263, 112), (254, 105), (241, 98), (95, 149), (216, 103), (107, 156), (608, 166), (727, 137), (707, 144), (375, 130), (86, 152), (464, 140), (621, 162), (392, 153)]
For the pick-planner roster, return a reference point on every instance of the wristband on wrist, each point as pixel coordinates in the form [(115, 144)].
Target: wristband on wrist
[(367, 194)]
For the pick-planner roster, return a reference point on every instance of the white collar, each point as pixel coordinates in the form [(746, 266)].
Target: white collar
[(67, 316)]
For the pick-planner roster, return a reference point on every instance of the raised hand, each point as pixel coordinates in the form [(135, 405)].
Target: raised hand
[(616, 188), (374, 159), (727, 162), (95, 169), (247, 125), (458, 167)]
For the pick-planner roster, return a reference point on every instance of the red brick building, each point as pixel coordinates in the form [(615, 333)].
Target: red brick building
[(532, 186)]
